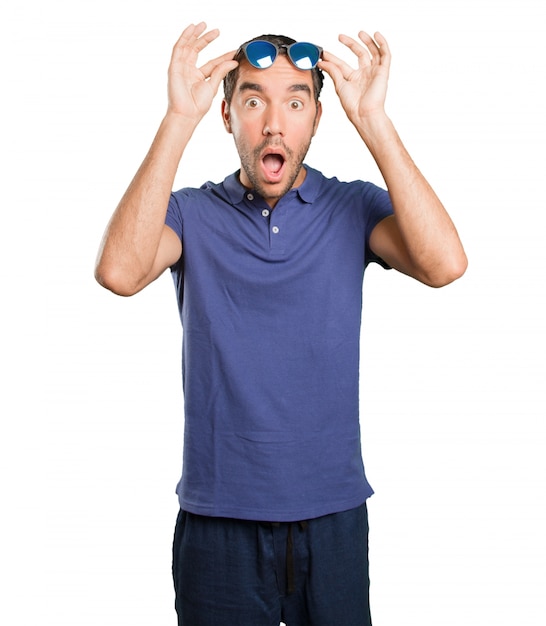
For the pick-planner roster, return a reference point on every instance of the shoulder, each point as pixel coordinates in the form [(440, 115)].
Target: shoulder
[(356, 188), (358, 197), (208, 194)]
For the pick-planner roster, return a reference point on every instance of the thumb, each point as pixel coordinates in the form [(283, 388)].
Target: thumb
[(220, 72)]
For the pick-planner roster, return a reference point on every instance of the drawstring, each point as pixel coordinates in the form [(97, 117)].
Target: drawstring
[(290, 566), (290, 571)]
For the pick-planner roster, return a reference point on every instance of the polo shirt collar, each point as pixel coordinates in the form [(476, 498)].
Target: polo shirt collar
[(307, 191)]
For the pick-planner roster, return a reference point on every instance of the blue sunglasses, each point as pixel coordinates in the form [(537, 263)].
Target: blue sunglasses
[(262, 54)]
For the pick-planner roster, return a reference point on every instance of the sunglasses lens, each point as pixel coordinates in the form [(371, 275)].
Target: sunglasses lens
[(304, 56), (261, 54)]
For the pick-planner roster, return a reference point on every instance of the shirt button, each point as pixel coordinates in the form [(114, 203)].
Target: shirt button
[(265, 213), (250, 196), (275, 229)]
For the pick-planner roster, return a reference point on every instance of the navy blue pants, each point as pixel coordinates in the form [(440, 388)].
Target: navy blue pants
[(242, 573)]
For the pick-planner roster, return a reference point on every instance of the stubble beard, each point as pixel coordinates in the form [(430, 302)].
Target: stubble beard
[(250, 163)]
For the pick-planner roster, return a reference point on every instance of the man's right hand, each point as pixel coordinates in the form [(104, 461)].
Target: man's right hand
[(191, 88)]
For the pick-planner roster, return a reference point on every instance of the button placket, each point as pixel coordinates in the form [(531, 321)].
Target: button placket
[(274, 223), (276, 229)]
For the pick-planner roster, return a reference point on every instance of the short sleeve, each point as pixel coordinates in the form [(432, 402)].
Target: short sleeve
[(378, 206), (173, 218)]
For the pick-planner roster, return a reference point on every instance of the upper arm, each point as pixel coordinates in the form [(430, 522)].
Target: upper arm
[(436, 266), (168, 253), (386, 242)]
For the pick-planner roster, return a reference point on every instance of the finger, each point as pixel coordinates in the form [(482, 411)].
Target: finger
[(335, 67), (203, 41), (208, 68), (383, 46), (377, 46), (220, 71), (381, 40), (190, 33), (332, 70), (363, 54), (192, 38)]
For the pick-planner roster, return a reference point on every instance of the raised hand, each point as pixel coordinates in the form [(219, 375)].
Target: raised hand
[(191, 88), (362, 91)]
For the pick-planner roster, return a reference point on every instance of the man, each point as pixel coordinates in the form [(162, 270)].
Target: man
[(268, 268)]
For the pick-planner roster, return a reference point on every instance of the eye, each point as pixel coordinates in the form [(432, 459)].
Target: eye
[(295, 105), (253, 103)]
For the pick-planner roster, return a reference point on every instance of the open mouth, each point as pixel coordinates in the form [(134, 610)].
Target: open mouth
[(273, 165)]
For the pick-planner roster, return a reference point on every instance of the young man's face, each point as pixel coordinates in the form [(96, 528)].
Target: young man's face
[(273, 116)]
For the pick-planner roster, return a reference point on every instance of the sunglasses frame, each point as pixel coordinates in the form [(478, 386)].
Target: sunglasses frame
[(278, 48)]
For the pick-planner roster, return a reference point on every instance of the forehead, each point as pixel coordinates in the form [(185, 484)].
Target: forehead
[(281, 76)]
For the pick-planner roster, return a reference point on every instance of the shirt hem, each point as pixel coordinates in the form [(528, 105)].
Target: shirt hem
[(273, 515)]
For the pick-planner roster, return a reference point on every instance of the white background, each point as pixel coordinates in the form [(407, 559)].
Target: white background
[(452, 379)]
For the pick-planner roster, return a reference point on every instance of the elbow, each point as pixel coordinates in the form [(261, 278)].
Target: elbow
[(448, 272), (113, 280)]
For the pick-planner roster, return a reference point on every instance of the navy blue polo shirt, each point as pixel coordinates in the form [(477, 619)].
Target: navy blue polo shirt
[(270, 304)]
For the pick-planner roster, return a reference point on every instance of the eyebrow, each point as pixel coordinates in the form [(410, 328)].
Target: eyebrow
[(248, 86)]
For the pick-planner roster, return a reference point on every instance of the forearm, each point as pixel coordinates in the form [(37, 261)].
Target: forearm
[(430, 238), (132, 238)]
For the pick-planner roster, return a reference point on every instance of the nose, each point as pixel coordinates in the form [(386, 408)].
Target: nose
[(274, 122)]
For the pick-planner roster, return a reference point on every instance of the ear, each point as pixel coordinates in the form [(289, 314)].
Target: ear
[(317, 117), (226, 116)]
